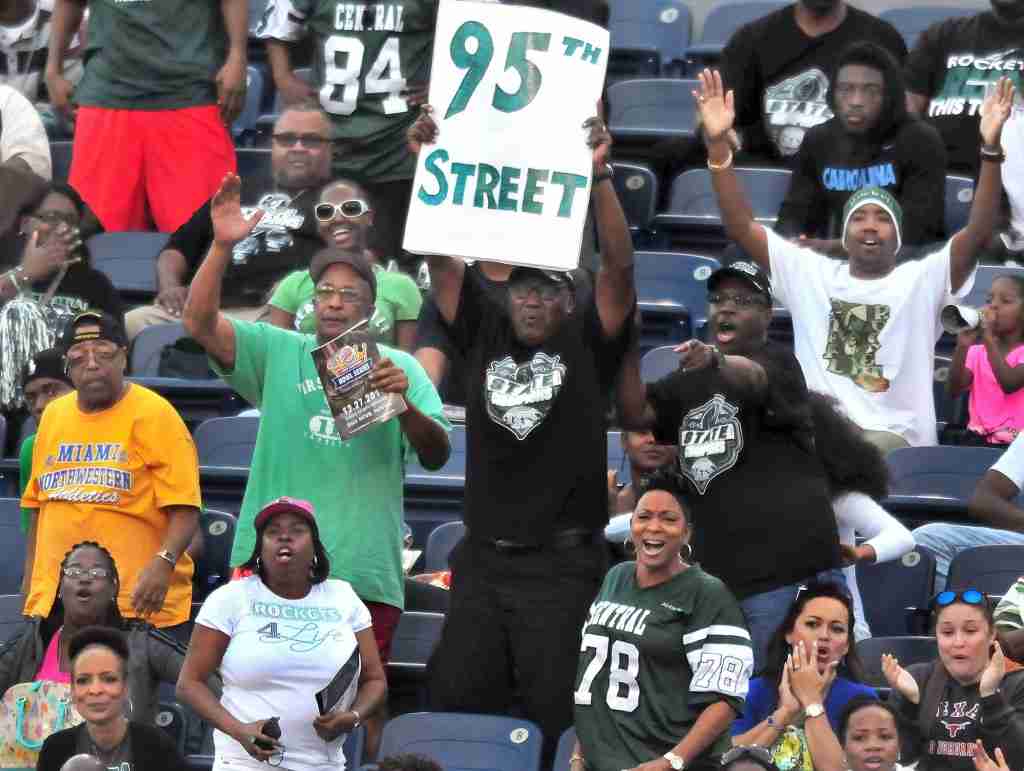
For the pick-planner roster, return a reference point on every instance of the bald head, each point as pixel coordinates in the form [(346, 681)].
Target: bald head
[(83, 763)]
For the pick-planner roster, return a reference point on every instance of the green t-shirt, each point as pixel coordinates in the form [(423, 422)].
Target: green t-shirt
[(366, 54), (398, 299), (651, 660), (152, 54), (25, 472), (356, 487)]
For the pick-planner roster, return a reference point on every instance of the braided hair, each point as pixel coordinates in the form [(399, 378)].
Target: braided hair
[(114, 617)]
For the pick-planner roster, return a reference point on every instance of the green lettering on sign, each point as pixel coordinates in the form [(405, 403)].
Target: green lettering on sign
[(529, 73), (474, 63)]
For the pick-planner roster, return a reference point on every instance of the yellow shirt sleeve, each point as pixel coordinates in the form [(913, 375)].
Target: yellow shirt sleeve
[(166, 446)]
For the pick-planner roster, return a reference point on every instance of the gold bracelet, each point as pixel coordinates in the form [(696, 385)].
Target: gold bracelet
[(727, 163)]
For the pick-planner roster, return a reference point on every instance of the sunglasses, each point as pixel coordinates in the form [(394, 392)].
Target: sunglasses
[(753, 752), (312, 141), (325, 211), (967, 596)]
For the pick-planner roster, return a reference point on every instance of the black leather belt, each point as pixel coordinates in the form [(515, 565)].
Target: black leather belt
[(563, 539)]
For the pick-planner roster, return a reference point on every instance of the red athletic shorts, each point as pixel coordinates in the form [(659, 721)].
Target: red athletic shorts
[(384, 618), (149, 169)]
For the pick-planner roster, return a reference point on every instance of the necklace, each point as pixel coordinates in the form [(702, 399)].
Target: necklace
[(108, 757)]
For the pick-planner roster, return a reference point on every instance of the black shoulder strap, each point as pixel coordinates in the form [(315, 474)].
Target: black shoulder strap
[(934, 688)]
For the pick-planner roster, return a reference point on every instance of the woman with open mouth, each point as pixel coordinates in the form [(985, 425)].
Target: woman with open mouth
[(965, 695), (295, 649), (666, 655), (812, 672)]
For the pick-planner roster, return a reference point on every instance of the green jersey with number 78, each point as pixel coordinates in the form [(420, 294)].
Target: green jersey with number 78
[(367, 54)]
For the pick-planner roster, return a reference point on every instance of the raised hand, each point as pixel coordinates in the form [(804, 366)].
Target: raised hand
[(994, 672), (900, 679), (423, 131), (809, 685), (715, 105), (693, 355), (229, 224), (598, 139), (983, 762), (995, 111), (788, 702)]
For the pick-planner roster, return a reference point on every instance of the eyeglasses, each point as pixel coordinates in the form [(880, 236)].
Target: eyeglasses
[(325, 292), (78, 357), (73, 571), (57, 218), (326, 211), (754, 752), (739, 300), (290, 139), (548, 293), (967, 596)]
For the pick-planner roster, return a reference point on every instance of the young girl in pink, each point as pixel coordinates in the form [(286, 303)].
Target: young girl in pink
[(990, 362)]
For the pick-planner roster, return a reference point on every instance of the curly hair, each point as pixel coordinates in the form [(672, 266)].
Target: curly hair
[(852, 464), (114, 617)]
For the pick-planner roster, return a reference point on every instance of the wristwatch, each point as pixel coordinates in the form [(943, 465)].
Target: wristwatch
[(167, 556), (814, 710), (675, 761)]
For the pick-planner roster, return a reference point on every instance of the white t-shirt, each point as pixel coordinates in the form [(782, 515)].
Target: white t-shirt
[(859, 514), (282, 652), (23, 135), (1011, 462), (870, 343), (1013, 176)]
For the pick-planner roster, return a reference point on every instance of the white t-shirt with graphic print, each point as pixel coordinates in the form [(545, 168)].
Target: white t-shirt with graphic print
[(870, 343), (282, 652)]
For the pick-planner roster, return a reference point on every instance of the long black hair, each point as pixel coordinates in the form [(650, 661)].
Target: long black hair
[(852, 464), (321, 564), (778, 648), (893, 114), (114, 617)]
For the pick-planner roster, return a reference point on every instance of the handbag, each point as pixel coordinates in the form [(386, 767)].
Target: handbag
[(29, 713)]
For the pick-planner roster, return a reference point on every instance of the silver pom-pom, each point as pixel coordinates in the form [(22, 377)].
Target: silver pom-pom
[(25, 330)]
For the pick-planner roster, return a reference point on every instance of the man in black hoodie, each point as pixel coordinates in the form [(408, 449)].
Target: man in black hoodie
[(871, 141)]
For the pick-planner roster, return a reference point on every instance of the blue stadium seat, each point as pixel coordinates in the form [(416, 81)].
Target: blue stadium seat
[(951, 410), (991, 569), (637, 188), (647, 110), (12, 546), (563, 753), (671, 290), (416, 636), (959, 195), (657, 363), (986, 274), (60, 156), (149, 345), (246, 120), (887, 589), (462, 742), (719, 25), (908, 649), (617, 456), (646, 35), (3, 435), (692, 205), (11, 618), (129, 261), (171, 717), (912, 21), (213, 568), (227, 441), (939, 472), (440, 544), (453, 472), (435, 497)]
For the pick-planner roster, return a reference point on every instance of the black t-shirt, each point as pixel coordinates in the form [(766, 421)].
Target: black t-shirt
[(762, 513), (951, 64), (284, 240), (833, 164), (780, 75), (535, 421)]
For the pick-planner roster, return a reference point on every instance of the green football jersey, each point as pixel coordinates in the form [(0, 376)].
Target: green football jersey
[(152, 54), (651, 660), (367, 53)]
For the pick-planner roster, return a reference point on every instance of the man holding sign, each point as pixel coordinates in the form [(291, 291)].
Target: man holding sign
[(539, 375)]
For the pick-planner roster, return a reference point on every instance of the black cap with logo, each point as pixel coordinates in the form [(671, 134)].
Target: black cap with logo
[(106, 329), (745, 271)]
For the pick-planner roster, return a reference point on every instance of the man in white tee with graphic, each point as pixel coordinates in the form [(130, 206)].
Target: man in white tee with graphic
[(864, 328)]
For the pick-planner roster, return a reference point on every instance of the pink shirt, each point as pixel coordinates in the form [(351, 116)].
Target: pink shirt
[(993, 413), (50, 668)]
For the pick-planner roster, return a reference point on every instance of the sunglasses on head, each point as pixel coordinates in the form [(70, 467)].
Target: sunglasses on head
[(754, 752), (967, 596), (326, 211)]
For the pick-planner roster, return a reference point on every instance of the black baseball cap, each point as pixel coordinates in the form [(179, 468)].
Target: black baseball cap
[(108, 329), (48, 363), (356, 260), (557, 277), (745, 271)]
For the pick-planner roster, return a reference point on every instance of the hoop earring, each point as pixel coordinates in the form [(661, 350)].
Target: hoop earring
[(258, 564), (689, 553)]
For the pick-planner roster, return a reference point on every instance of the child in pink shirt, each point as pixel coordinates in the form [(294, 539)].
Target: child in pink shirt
[(993, 369)]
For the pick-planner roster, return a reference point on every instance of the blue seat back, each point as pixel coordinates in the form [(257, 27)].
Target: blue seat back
[(692, 201), (657, 363), (464, 742), (246, 119), (12, 546), (129, 260), (637, 188), (912, 21), (661, 26), (959, 195), (228, 441), (675, 284), (983, 282), (60, 157), (652, 109), (213, 568), (149, 344), (171, 718), (726, 17), (887, 589), (952, 472), (440, 544), (453, 473), (908, 649), (563, 753), (991, 569)]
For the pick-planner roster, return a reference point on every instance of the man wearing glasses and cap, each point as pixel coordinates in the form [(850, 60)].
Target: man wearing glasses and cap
[(737, 411), (114, 463), (538, 376), (285, 239)]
